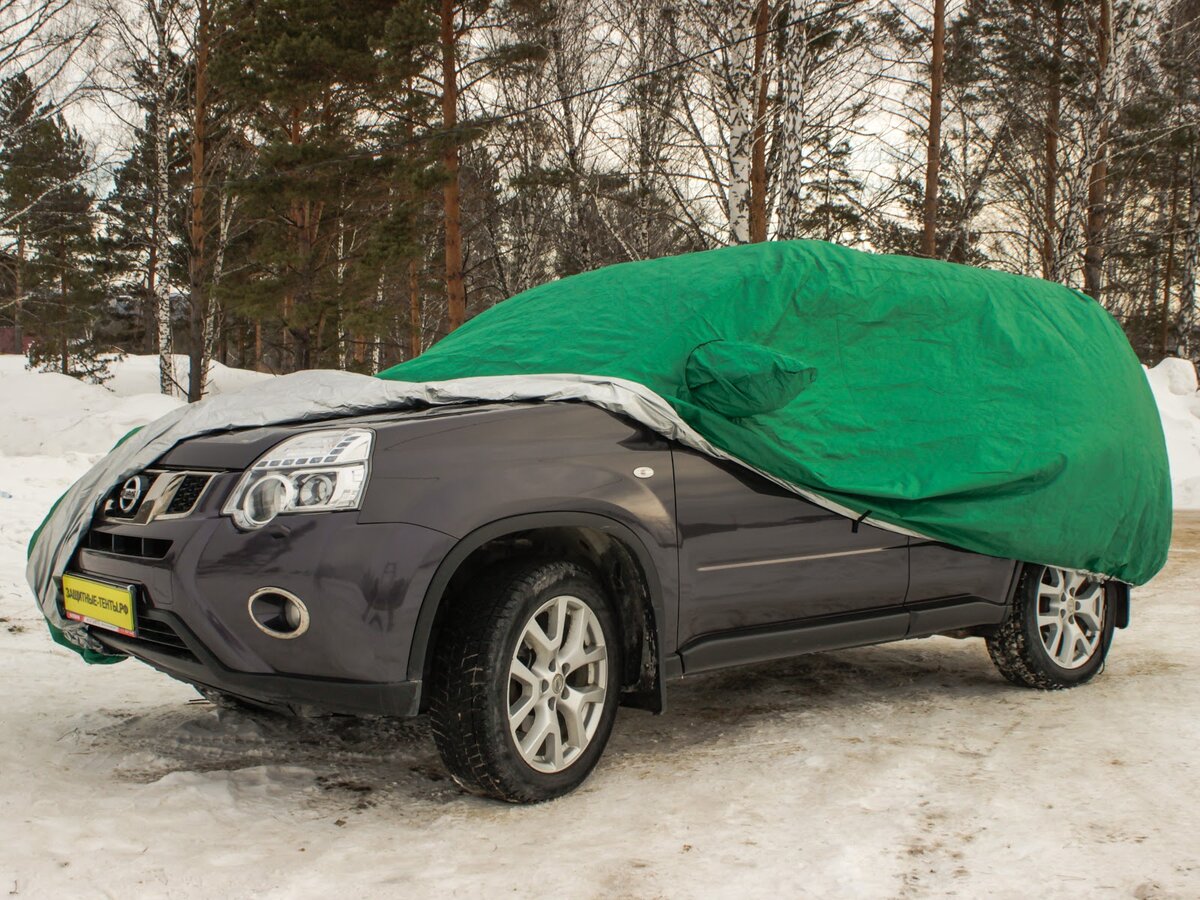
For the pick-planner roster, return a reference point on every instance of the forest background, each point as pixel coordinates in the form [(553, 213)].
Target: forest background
[(286, 184)]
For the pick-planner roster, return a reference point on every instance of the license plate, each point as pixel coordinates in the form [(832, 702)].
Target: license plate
[(96, 603)]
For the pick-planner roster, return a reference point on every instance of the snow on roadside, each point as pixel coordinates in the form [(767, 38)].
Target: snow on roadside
[(48, 414), (135, 375), (1175, 388)]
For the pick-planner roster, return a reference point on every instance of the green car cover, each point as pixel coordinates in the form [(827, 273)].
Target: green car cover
[(1000, 413)]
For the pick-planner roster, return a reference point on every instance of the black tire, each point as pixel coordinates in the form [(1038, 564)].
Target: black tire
[(1019, 651), (469, 690)]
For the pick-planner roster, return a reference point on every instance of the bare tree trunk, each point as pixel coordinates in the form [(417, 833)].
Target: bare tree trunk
[(160, 15), (1191, 256), (740, 88), (374, 334), (198, 318), (1050, 164), (63, 347), (347, 343), (758, 149), (1164, 322), (791, 131), (19, 287), (933, 150), (414, 311), (456, 296), (1093, 257), (213, 324), (286, 360)]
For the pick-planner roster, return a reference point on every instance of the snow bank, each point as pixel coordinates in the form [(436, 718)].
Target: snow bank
[(47, 414), (1175, 388), (135, 375)]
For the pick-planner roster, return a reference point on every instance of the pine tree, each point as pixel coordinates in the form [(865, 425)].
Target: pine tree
[(41, 190), (302, 69), (128, 246), (20, 115)]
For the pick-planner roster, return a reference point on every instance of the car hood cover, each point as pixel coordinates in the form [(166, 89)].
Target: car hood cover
[(1003, 414)]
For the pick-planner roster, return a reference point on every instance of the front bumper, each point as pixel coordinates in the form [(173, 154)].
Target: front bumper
[(363, 585), (194, 663)]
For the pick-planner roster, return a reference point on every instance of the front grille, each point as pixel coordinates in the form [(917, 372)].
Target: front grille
[(156, 494), (153, 634), (162, 636), (187, 493), (124, 545)]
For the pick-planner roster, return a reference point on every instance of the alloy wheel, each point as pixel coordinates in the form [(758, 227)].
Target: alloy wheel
[(557, 683), (1070, 616)]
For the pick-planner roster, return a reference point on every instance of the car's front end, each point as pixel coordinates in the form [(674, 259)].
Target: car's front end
[(304, 566), (246, 571)]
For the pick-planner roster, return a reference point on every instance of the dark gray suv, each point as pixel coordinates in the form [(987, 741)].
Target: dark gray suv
[(519, 571)]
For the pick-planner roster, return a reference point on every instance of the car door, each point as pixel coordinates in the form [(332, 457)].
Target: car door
[(753, 554)]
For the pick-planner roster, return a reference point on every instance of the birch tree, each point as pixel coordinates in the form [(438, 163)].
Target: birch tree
[(933, 153), (826, 71), (722, 102), (146, 71)]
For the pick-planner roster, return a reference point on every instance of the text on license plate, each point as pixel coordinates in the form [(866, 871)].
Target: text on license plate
[(96, 603)]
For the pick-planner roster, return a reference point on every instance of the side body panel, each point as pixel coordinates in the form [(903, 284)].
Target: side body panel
[(754, 555), (942, 572)]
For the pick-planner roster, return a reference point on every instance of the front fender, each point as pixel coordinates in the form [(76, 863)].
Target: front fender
[(480, 476), (654, 563)]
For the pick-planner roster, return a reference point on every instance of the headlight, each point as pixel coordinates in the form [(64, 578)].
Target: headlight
[(313, 472)]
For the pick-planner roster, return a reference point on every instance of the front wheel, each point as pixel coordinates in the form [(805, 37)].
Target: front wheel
[(1058, 632), (526, 682)]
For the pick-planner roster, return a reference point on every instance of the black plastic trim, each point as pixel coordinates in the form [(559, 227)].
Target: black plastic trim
[(1122, 603), (953, 613), (289, 691), (753, 645), (672, 667), (764, 643)]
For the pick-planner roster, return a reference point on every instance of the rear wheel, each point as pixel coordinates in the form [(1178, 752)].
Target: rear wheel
[(1058, 632), (526, 682)]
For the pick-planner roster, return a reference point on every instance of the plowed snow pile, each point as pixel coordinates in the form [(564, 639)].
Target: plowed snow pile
[(909, 769), (1173, 382), (47, 414)]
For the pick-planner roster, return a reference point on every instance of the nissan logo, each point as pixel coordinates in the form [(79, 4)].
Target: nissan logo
[(131, 494)]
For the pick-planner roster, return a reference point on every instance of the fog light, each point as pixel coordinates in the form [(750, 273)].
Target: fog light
[(279, 613)]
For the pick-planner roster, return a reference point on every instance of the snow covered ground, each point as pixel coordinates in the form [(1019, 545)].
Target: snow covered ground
[(905, 770)]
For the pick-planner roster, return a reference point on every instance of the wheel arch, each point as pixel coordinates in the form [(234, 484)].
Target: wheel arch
[(617, 554)]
